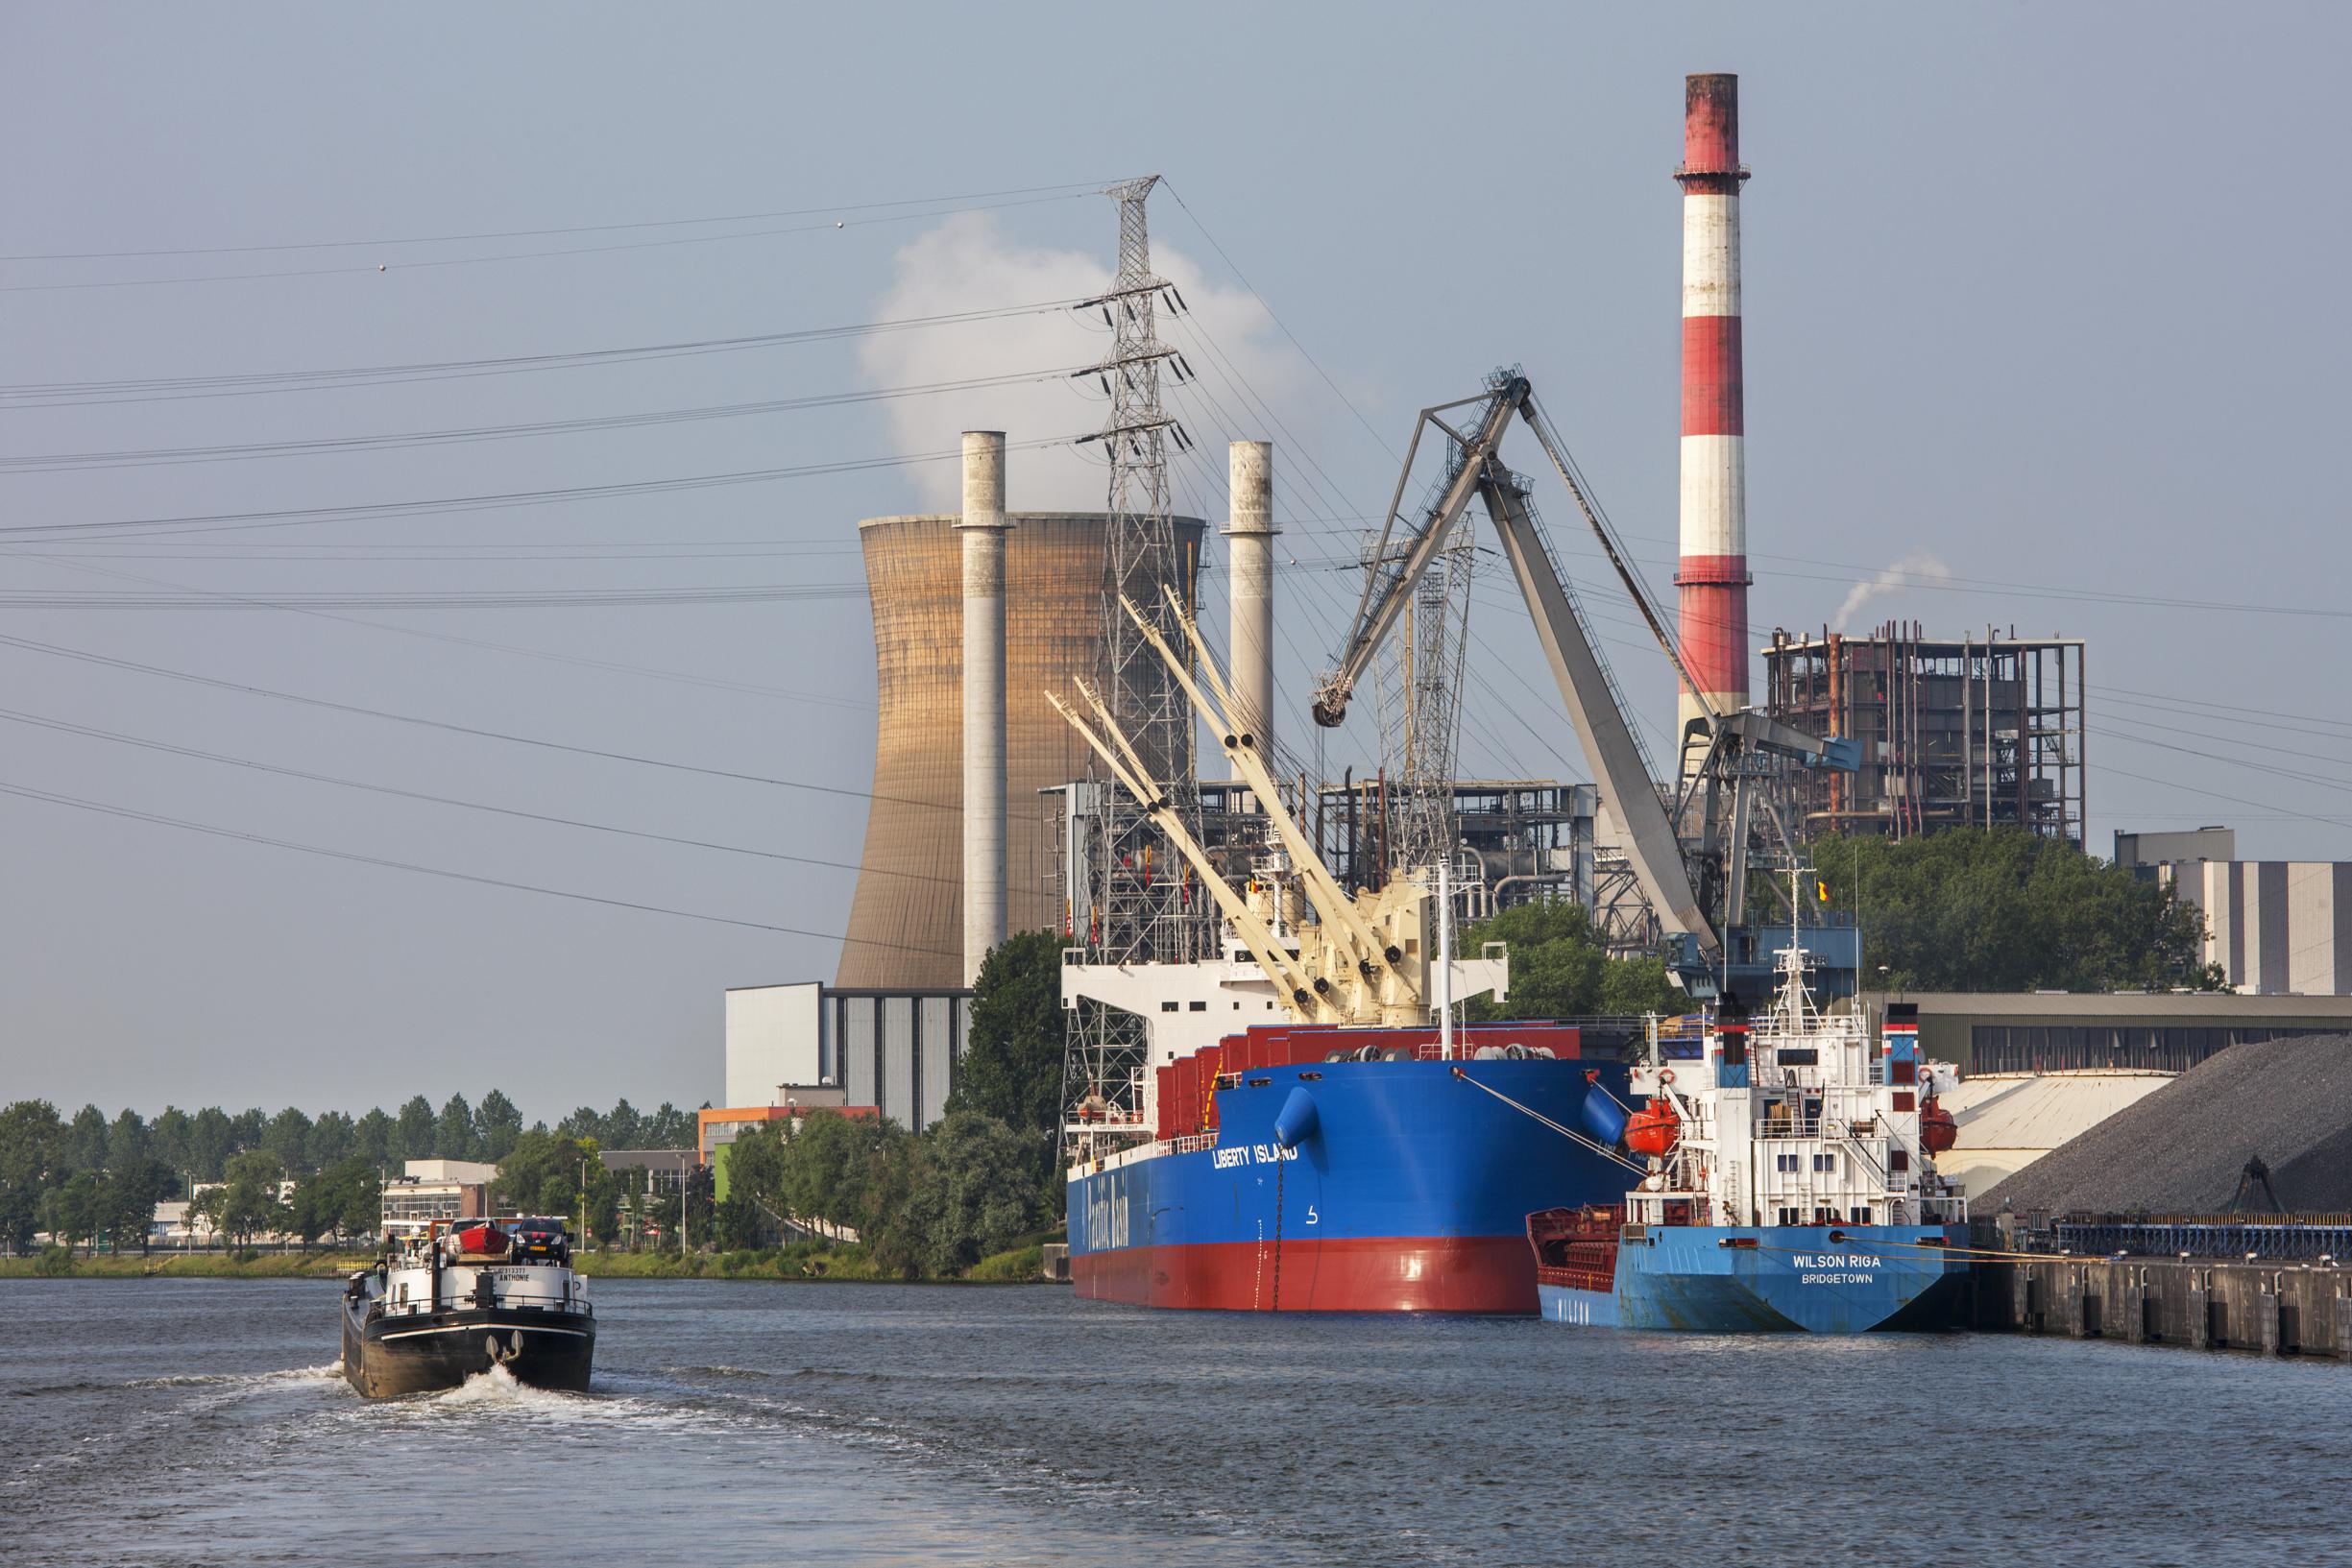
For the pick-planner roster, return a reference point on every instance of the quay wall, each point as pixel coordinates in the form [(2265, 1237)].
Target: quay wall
[(2265, 1308)]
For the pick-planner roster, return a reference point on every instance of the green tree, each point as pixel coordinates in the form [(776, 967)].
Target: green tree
[(246, 1204), (2003, 909), (496, 1124), (1011, 1069), (970, 1191), (624, 1128), (75, 1210), (31, 1150), (127, 1140), (85, 1139), (247, 1129), (1559, 968), (211, 1140), (363, 1199), (541, 1175), (371, 1137), (167, 1139), (670, 1128), (127, 1202), (416, 1131), (454, 1137), (841, 1169), (331, 1137), (584, 1123), (288, 1137)]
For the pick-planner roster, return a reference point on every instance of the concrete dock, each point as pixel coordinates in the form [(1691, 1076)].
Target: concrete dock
[(2268, 1307)]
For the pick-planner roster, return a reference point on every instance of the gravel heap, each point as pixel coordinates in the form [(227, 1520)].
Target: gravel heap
[(2181, 1149)]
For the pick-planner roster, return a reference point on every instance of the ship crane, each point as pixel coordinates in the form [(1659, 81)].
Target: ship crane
[(1696, 886), (1368, 958)]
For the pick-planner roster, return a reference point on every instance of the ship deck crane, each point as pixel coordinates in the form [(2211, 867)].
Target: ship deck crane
[(1698, 889)]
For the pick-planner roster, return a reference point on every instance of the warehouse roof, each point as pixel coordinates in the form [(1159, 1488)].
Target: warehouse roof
[(2149, 1006)]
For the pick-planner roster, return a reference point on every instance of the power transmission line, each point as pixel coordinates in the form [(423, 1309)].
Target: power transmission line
[(110, 662), (78, 803)]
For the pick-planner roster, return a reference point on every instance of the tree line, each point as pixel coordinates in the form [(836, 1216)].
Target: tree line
[(91, 1176)]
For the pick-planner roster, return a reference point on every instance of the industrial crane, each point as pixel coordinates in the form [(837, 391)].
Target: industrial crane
[(1369, 958), (1695, 881)]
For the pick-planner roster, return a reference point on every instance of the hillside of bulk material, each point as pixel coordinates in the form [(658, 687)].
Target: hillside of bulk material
[(2181, 1149)]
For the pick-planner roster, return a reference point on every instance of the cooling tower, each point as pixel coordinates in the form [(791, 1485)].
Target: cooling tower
[(906, 926)]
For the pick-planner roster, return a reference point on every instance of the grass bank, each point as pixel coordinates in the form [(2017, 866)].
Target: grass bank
[(186, 1265), (803, 1261)]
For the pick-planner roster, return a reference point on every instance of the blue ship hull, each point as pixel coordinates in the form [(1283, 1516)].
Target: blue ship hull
[(1790, 1280), (1409, 1194)]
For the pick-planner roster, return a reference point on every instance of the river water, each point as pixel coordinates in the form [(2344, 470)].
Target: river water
[(171, 1422)]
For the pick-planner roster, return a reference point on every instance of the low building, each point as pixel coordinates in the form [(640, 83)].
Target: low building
[(894, 1049), (430, 1190), (2066, 1031), (666, 1168)]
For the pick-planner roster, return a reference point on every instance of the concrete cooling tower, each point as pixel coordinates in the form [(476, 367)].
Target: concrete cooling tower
[(906, 926)]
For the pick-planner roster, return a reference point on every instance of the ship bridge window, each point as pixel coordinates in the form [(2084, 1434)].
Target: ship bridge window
[(1168, 1008), (1899, 1159), (1824, 1162), (1860, 1213), (1800, 1056), (1786, 1162), (1200, 1007), (1788, 1217)]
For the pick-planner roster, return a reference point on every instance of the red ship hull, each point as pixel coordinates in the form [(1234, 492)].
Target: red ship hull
[(1387, 1274)]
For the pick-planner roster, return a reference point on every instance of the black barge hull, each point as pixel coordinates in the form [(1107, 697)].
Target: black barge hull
[(425, 1351)]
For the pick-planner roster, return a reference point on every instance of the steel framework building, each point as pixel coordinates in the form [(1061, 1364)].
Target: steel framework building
[(906, 921), (1956, 732)]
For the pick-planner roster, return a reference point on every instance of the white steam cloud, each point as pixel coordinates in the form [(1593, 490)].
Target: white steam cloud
[(1910, 572), (969, 263)]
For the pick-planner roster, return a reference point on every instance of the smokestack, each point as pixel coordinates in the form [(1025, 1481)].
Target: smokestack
[(1714, 573), (983, 528), (1249, 473)]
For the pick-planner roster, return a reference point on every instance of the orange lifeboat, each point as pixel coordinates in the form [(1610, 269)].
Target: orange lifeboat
[(1937, 1131), (1653, 1129)]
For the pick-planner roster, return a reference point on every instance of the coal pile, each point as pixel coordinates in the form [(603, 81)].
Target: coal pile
[(2184, 1148)]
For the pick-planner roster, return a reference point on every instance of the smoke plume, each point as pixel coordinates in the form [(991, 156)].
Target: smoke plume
[(968, 262), (1911, 570)]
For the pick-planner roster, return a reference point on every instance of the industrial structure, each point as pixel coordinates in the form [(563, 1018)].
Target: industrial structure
[(2272, 927), (1712, 575), (895, 1049), (906, 928), (1980, 731), (982, 530)]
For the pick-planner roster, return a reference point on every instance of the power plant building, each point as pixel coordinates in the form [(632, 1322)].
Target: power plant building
[(2274, 928), (1956, 732), (907, 920)]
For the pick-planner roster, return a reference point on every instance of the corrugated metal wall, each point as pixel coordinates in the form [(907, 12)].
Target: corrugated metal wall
[(898, 1051)]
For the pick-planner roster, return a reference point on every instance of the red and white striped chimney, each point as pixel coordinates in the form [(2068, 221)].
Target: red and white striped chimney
[(1714, 573)]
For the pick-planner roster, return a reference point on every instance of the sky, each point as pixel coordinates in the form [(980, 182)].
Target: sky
[(2029, 341)]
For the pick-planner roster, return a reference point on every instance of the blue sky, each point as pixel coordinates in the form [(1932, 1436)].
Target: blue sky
[(2028, 297)]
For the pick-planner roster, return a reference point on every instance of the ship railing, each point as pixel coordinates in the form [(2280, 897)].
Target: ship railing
[(1819, 1127), (463, 1297), (1192, 1143)]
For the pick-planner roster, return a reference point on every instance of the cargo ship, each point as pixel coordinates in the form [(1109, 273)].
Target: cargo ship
[(1341, 1169), (1789, 1183), (453, 1298)]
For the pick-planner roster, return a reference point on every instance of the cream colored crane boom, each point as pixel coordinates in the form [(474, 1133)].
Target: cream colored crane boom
[(1339, 914), (1289, 978)]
